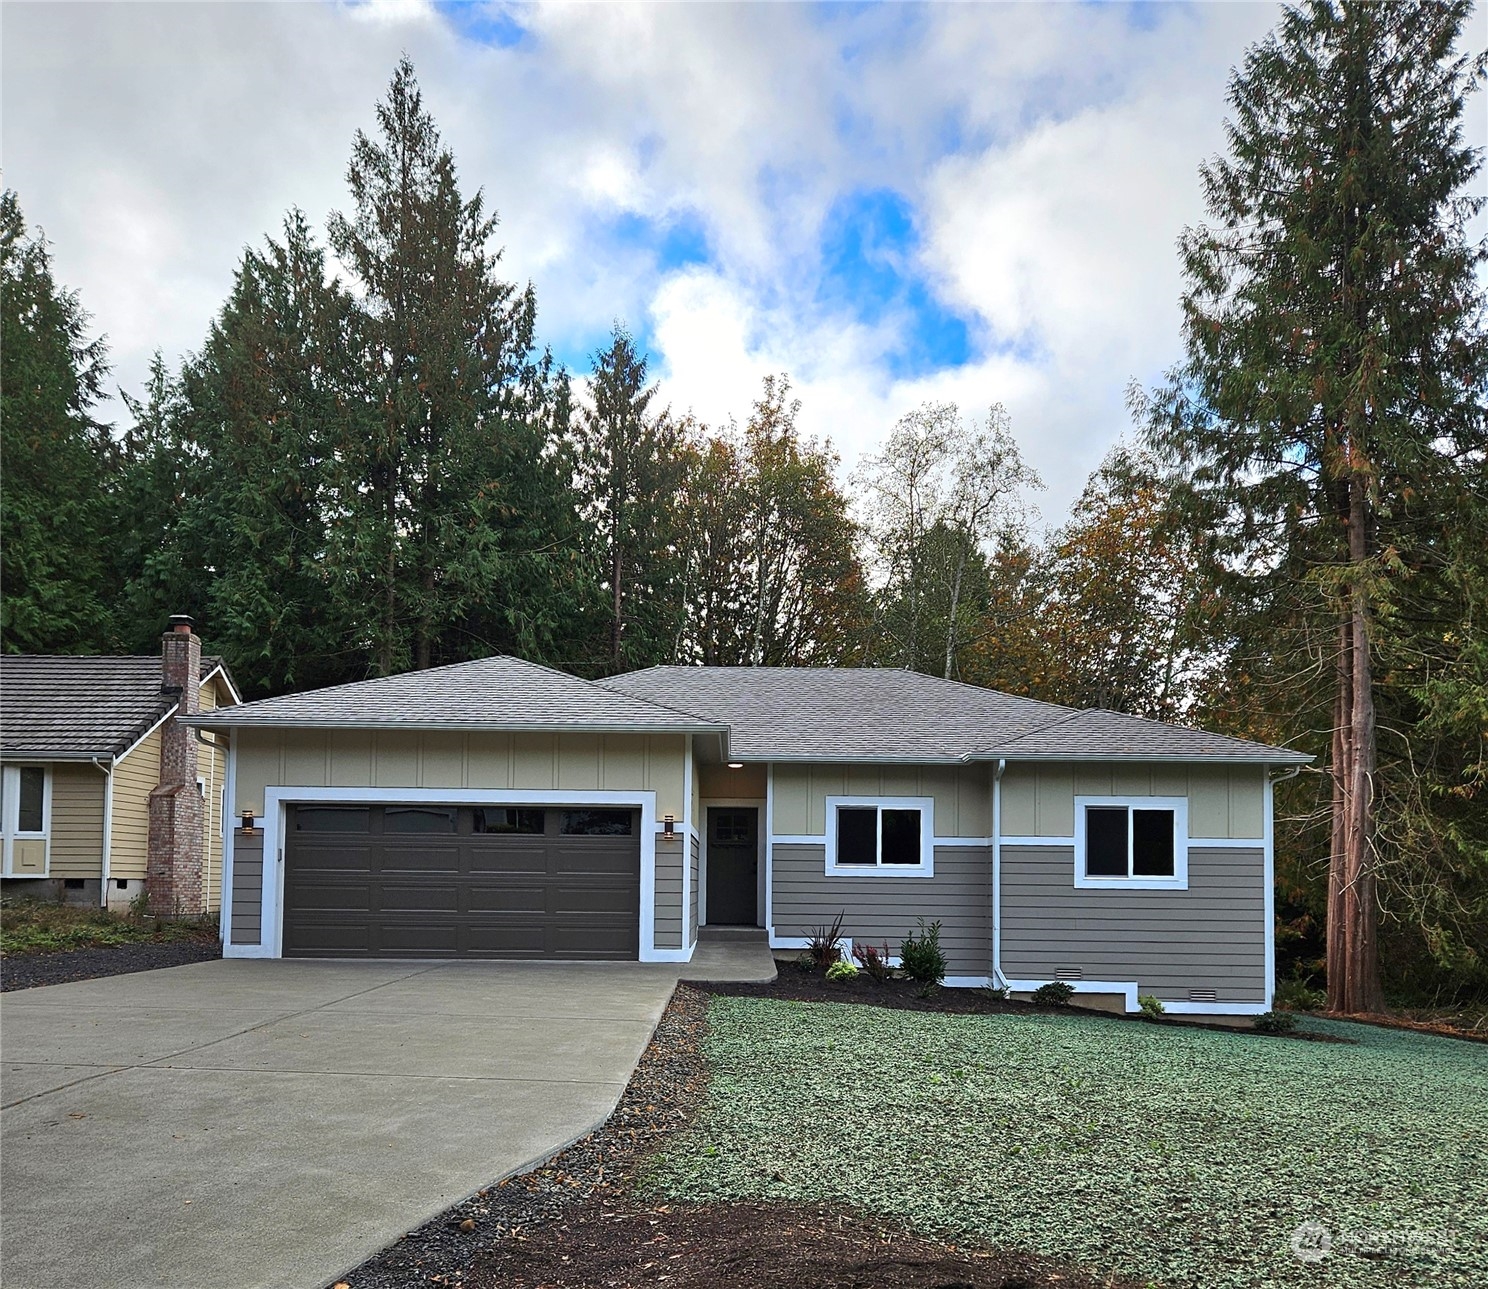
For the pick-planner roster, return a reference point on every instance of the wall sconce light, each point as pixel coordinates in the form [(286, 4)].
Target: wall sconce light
[(248, 829), (668, 826), (736, 765)]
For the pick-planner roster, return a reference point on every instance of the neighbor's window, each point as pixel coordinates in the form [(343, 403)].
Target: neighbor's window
[(878, 837), (31, 807), (1129, 842), (596, 823), (509, 819)]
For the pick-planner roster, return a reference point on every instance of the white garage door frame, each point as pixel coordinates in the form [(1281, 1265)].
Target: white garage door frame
[(275, 813)]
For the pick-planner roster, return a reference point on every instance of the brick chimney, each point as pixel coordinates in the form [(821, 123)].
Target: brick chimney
[(173, 880)]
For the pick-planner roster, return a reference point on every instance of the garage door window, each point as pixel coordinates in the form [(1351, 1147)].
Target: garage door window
[(596, 823), (494, 820), (333, 818), (420, 819)]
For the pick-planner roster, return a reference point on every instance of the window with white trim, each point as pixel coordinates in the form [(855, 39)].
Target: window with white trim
[(880, 836), (25, 819), (1133, 842)]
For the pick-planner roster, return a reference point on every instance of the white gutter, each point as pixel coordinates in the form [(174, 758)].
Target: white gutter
[(108, 828), (998, 979)]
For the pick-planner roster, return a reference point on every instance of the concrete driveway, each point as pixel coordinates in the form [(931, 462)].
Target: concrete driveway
[(240, 1123)]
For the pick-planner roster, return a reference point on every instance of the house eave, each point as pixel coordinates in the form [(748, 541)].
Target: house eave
[(210, 721)]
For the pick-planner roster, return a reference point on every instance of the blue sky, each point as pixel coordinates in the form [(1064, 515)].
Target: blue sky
[(971, 202)]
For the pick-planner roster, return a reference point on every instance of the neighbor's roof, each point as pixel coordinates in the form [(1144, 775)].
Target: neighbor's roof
[(74, 708), (878, 714), (501, 693)]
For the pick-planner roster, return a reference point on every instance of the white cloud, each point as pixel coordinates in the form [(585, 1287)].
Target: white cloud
[(1050, 152)]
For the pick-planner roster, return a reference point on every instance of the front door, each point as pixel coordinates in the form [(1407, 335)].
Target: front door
[(733, 865)]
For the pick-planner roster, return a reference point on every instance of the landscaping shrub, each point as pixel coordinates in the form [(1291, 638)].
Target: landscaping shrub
[(1276, 1022), (1055, 994), (920, 955), (996, 993), (825, 944), (842, 970), (874, 959), (1150, 1005)]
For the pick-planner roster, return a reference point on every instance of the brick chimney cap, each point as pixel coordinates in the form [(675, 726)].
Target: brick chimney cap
[(181, 622)]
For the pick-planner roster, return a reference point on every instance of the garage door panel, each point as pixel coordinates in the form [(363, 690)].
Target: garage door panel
[(520, 894)]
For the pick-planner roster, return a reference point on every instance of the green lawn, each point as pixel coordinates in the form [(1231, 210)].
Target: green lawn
[(37, 926), (1183, 1155)]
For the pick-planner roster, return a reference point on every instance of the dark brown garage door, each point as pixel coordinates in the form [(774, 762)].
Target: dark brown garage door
[(461, 882)]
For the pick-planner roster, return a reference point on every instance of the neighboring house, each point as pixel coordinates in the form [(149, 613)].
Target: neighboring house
[(501, 809), (104, 795)]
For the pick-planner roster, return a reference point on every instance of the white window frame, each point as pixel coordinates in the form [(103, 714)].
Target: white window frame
[(926, 866), (10, 822), (1179, 880)]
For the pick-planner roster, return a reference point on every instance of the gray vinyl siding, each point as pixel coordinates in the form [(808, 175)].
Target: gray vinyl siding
[(881, 909), (1211, 936), (668, 920), (247, 890), (692, 913)]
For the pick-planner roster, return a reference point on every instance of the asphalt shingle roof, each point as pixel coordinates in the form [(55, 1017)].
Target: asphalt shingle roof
[(62, 707), (501, 693), (850, 714)]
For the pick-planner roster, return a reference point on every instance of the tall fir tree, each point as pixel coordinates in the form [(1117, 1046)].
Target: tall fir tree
[(1329, 417), (451, 502), (57, 459)]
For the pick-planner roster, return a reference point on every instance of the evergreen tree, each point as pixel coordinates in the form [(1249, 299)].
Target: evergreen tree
[(630, 473), (1328, 421), (55, 456), (450, 503)]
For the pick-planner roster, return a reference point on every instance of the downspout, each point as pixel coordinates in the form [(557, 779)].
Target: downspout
[(998, 980), (108, 827)]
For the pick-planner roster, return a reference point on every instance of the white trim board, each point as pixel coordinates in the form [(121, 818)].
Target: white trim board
[(279, 797)]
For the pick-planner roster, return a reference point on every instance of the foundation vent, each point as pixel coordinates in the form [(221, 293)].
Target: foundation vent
[(1203, 996), (1070, 973)]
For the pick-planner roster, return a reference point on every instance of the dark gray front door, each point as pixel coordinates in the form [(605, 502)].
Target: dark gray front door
[(461, 882), (733, 865)]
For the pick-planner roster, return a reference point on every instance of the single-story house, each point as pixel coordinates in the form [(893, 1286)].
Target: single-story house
[(502, 809), (104, 796)]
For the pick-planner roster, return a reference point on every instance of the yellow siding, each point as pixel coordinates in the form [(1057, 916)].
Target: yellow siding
[(1223, 801), (135, 777), (77, 821), (411, 759), (963, 794)]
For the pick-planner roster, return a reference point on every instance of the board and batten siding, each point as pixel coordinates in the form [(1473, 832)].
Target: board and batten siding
[(247, 889), (668, 907), (962, 794), (76, 838), (430, 759), (1038, 800), (135, 777), (694, 864), (1210, 936), (884, 909)]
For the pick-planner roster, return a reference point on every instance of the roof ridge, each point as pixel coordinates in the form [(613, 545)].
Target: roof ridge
[(599, 684)]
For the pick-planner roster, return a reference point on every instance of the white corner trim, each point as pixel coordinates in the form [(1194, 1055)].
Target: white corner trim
[(1177, 882), (229, 817), (769, 839), (1268, 904), (689, 930), (926, 866)]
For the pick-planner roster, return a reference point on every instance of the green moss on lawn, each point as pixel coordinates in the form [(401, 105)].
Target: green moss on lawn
[(1184, 1155), (36, 926)]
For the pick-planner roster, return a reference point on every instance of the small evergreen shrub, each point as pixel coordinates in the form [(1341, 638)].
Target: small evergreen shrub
[(995, 993), (1150, 1005), (1276, 1022), (1057, 993), (1299, 996), (842, 970), (921, 957)]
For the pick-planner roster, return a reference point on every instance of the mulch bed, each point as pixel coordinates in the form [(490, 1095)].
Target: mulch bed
[(576, 1222), (29, 970)]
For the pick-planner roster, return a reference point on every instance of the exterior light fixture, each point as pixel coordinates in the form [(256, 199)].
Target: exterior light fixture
[(668, 826), (248, 817), (736, 765)]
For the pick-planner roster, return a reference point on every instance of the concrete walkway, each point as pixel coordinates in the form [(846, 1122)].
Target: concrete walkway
[(240, 1124)]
